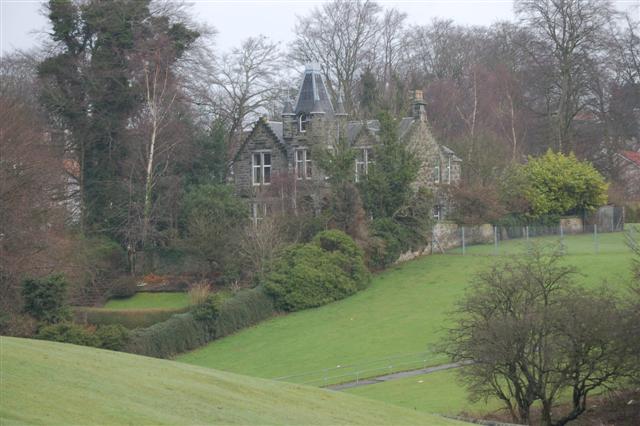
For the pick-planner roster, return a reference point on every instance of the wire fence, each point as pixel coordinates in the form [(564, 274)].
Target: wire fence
[(366, 369), (572, 237)]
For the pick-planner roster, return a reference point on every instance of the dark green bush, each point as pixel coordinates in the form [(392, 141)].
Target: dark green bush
[(45, 299), (129, 318), (113, 337), (246, 308), (123, 287), (68, 332), (329, 268), (207, 311), (180, 333), (393, 241)]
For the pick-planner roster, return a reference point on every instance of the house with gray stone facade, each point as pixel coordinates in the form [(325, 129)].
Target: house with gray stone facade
[(274, 169)]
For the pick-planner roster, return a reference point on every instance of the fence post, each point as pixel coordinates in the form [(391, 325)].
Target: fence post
[(357, 377), (595, 237), (495, 239), (527, 229), (561, 238), (464, 247)]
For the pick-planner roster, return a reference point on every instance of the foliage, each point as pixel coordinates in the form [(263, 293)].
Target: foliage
[(113, 337), (123, 287), (214, 218), (244, 309), (199, 292), (531, 335), (477, 204), (45, 299), (180, 333), (207, 311), (392, 240), (129, 318), (68, 332), (329, 268), (344, 208), (556, 184), (387, 187)]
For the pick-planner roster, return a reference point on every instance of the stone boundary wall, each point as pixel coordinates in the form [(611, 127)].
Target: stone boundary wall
[(448, 235)]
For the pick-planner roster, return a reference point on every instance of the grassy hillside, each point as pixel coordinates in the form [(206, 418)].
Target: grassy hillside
[(438, 392), (150, 301), (403, 312), (54, 383)]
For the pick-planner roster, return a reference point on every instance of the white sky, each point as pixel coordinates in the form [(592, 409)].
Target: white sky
[(22, 25)]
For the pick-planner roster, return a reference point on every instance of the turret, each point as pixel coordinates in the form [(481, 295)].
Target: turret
[(313, 107), (341, 118)]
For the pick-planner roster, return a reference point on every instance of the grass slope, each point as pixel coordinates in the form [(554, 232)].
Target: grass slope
[(150, 301), (404, 311), (432, 393), (55, 383)]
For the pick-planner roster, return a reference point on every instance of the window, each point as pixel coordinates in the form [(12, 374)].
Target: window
[(437, 212), (436, 172), (302, 123), (261, 167), (449, 170), (258, 212), (303, 164), (364, 159)]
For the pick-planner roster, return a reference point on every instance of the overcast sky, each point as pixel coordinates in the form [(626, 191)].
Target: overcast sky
[(23, 26)]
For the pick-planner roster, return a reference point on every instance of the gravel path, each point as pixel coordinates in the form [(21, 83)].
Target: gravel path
[(394, 376)]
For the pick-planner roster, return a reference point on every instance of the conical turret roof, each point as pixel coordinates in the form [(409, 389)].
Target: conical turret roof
[(313, 96)]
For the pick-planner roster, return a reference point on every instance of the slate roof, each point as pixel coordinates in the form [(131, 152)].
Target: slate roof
[(313, 95)]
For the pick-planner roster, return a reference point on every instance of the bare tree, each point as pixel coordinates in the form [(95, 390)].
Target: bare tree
[(531, 335), (241, 85), (341, 36), (567, 33)]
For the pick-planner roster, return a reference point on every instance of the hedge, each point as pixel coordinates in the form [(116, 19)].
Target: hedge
[(180, 333), (130, 318), (246, 308), (183, 332)]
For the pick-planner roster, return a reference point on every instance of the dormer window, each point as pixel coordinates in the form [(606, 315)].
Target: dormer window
[(302, 123), (303, 164), (261, 167)]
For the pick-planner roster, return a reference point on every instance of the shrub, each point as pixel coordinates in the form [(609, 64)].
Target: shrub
[(129, 318), (207, 311), (198, 293), (556, 184), (329, 268), (68, 332), (391, 242), (113, 337), (246, 308), (180, 333), (45, 299), (123, 287)]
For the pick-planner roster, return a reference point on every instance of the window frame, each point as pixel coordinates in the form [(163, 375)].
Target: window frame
[(365, 150), (302, 163), (261, 167)]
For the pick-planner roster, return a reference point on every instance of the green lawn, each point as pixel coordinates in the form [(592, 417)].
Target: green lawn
[(55, 383), (402, 314), (432, 393), (150, 301)]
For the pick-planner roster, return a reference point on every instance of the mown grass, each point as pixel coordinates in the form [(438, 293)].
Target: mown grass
[(55, 383), (405, 311), (150, 301), (438, 392)]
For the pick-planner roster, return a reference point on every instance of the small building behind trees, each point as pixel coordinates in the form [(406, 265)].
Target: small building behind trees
[(274, 168)]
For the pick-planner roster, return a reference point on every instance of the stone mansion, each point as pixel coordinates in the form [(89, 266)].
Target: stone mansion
[(274, 170)]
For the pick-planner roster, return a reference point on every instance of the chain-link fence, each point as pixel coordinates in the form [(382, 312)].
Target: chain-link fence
[(593, 234)]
